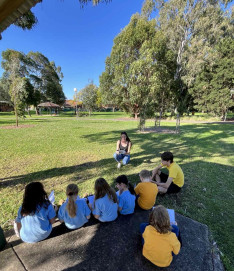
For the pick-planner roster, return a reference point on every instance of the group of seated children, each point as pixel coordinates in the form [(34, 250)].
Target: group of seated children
[(37, 214)]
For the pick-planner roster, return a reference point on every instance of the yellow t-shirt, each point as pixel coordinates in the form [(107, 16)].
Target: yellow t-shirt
[(158, 247), (147, 192), (176, 173)]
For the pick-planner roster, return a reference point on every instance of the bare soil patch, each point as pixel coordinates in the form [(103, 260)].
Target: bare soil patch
[(158, 130), (19, 127)]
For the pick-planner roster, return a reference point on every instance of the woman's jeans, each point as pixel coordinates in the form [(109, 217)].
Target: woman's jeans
[(124, 157)]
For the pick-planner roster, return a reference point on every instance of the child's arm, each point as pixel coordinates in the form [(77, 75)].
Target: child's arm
[(166, 184), (176, 246), (18, 226), (155, 171)]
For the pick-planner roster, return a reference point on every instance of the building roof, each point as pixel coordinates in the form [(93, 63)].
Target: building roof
[(48, 104), (11, 10)]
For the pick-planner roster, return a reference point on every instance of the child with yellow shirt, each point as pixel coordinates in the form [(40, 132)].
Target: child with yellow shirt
[(171, 183), (160, 239), (146, 191)]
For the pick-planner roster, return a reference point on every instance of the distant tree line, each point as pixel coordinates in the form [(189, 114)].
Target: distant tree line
[(179, 60), (28, 80)]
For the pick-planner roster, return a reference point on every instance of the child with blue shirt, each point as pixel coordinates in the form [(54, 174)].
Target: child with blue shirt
[(36, 215), (75, 211), (126, 195), (105, 207)]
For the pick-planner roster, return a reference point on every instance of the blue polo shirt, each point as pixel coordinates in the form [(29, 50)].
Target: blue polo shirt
[(106, 209), (36, 227), (126, 202), (82, 211)]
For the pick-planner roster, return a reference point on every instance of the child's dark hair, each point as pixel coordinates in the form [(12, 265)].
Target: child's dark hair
[(34, 197), (124, 179), (102, 188), (167, 156), (159, 219), (127, 138)]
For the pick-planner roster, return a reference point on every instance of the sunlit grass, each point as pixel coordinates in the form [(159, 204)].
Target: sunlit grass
[(58, 150)]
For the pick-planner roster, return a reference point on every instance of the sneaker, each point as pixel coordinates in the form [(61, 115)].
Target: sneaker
[(119, 165)]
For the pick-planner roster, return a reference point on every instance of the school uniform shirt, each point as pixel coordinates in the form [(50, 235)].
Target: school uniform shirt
[(158, 247), (126, 202), (36, 227), (147, 192), (106, 209), (176, 173), (82, 211)]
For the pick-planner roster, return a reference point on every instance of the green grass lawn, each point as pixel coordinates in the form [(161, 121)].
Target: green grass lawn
[(63, 149)]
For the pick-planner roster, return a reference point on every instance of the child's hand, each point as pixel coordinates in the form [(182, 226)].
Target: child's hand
[(174, 223)]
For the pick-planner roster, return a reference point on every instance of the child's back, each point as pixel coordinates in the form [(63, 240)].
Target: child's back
[(158, 247), (126, 202), (147, 192), (82, 212), (106, 209)]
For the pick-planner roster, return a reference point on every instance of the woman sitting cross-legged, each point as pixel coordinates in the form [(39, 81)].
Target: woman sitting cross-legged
[(123, 148)]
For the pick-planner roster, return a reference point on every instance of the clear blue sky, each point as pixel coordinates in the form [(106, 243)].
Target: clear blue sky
[(78, 40)]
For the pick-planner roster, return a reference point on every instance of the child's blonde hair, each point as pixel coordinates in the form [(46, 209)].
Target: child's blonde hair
[(159, 218), (145, 174), (72, 192)]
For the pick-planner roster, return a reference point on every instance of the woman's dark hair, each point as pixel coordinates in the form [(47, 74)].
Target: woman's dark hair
[(127, 138), (124, 179), (167, 156), (34, 197), (102, 188)]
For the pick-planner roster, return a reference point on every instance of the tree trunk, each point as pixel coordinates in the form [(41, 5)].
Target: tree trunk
[(156, 121), (113, 109), (160, 117), (135, 114), (142, 124), (89, 113), (178, 123), (16, 115)]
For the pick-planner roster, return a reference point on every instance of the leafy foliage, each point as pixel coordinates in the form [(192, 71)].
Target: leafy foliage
[(212, 87), (88, 96), (139, 65)]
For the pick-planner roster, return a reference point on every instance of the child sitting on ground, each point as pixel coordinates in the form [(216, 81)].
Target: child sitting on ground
[(74, 212), (175, 180), (105, 207), (159, 238), (126, 195), (146, 190), (36, 215)]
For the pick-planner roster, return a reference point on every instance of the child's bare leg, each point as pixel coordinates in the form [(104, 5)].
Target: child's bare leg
[(157, 177), (162, 190)]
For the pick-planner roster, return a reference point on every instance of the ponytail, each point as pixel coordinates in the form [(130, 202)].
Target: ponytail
[(71, 206), (131, 189), (72, 192)]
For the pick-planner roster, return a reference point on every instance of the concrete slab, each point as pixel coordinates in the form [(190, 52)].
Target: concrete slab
[(9, 261), (115, 246)]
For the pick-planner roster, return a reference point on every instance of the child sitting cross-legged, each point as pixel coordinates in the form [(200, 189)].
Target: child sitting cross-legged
[(105, 206), (160, 240), (126, 195), (146, 190), (36, 215), (75, 211)]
